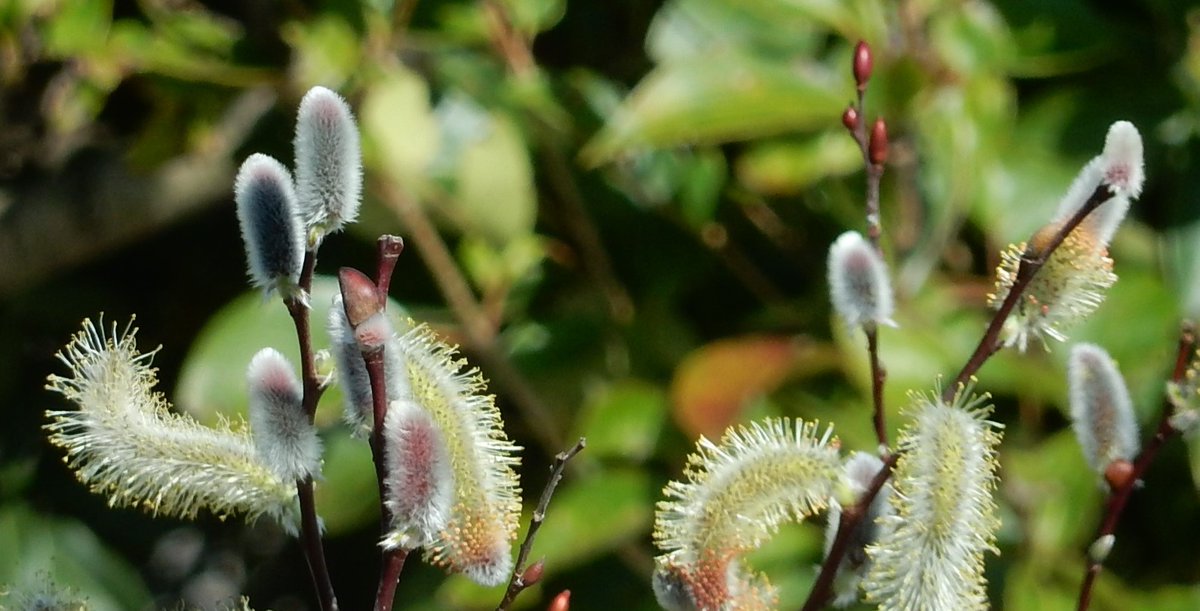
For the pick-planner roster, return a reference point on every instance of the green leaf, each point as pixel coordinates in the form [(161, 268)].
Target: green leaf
[(494, 192), (400, 134), (42, 549), (348, 493), (593, 516), (716, 99), (326, 51), (789, 167), (623, 420), (79, 28)]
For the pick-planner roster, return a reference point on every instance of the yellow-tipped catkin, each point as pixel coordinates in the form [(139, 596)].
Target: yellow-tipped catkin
[(485, 505), (1068, 288), (736, 495), (929, 553), (125, 443)]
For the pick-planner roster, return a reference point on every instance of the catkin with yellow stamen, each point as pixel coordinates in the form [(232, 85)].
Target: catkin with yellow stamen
[(485, 504), (929, 553), (737, 494), (125, 443)]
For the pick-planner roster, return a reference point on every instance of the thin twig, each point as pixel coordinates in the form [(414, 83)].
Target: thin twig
[(1031, 262), (310, 530), (851, 517), (480, 335), (878, 376), (517, 584), (1120, 497), (392, 560)]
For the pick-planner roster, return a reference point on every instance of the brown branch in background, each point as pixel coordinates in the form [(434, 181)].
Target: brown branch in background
[(1119, 496), (1031, 262), (523, 577), (90, 208), (480, 335), (823, 588), (310, 529)]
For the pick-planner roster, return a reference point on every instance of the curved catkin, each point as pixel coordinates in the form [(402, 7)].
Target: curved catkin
[(486, 503), (1101, 410), (328, 162), (284, 438), (929, 553), (736, 495), (266, 211), (125, 443), (858, 282)]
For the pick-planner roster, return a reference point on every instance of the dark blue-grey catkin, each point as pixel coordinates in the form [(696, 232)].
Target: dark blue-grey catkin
[(266, 210)]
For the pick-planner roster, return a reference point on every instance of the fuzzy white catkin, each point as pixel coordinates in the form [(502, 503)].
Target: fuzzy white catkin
[(283, 437), (352, 371), (266, 211), (1120, 168), (125, 442), (859, 470), (419, 489), (858, 282), (328, 161), (1101, 410)]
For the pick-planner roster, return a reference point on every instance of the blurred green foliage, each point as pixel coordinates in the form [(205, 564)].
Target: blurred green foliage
[(641, 196)]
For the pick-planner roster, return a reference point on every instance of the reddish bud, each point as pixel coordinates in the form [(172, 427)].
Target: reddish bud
[(1118, 474), (533, 573), (862, 64), (562, 602), (877, 148), (850, 118), (360, 296)]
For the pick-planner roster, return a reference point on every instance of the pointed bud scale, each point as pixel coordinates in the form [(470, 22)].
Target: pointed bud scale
[(328, 162), (877, 145), (126, 443), (419, 486), (858, 282), (1099, 550), (283, 437), (1119, 169), (533, 573), (266, 210), (929, 553), (1101, 410), (863, 62), (562, 602), (352, 372), (766, 474), (1070, 286), (850, 118), (360, 296)]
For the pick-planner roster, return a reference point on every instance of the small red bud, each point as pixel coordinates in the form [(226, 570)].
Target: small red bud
[(1118, 474), (877, 148), (533, 573), (862, 64), (562, 602), (850, 118), (360, 296)]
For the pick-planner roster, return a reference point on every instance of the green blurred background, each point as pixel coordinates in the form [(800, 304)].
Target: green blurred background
[(639, 196)]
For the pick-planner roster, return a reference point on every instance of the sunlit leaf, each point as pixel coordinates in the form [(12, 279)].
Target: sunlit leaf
[(717, 99)]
